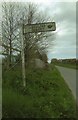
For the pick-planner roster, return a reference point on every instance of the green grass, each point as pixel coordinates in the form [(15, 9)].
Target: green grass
[(45, 96), (72, 66)]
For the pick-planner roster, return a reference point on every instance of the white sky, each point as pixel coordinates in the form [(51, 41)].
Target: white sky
[(63, 13), (38, 1)]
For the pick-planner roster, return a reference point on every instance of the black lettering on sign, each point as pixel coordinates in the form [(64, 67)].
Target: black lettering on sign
[(38, 28)]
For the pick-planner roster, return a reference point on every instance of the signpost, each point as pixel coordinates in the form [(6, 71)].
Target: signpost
[(33, 28), (39, 27)]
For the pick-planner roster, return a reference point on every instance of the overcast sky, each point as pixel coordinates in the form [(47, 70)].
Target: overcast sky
[(64, 14)]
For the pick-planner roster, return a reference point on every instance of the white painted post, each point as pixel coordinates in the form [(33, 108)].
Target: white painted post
[(23, 57)]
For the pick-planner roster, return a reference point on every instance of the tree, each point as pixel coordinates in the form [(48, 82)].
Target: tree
[(15, 16), (10, 31), (34, 41)]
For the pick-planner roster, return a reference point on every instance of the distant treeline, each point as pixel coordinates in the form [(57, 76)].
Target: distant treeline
[(71, 61)]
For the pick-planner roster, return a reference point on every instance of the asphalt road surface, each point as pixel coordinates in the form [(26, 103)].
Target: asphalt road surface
[(70, 76)]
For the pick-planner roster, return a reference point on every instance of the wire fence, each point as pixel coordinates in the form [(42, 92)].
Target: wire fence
[(5, 54)]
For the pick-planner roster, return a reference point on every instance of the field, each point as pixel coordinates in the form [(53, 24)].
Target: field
[(46, 95), (68, 65)]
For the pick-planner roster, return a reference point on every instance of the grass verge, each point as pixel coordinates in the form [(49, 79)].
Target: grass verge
[(45, 96)]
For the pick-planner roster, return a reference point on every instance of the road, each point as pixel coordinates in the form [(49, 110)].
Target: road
[(69, 76)]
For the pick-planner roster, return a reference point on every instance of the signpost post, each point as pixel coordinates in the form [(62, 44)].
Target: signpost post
[(33, 28)]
